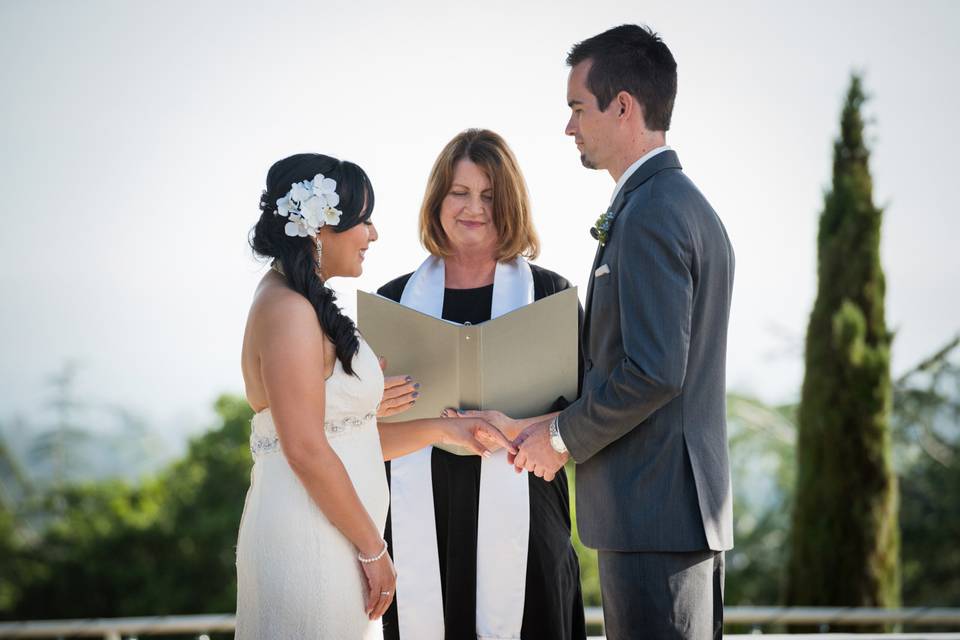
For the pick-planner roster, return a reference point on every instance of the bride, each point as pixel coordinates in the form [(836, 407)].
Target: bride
[(311, 558)]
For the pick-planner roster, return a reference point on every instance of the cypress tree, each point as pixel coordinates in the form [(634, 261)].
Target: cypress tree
[(845, 541)]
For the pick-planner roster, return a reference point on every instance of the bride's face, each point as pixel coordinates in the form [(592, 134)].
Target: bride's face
[(343, 253), (466, 213)]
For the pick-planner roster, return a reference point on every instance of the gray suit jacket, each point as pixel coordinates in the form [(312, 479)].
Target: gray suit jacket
[(649, 432)]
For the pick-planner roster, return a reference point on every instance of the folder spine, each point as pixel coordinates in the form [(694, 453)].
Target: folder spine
[(471, 367)]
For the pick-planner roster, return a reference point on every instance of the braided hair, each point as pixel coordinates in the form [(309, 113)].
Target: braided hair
[(297, 255)]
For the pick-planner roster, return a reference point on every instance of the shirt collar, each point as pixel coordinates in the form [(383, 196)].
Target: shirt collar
[(632, 169)]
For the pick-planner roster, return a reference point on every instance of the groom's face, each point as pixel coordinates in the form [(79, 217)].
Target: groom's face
[(593, 130)]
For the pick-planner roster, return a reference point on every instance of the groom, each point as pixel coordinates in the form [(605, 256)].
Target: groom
[(649, 432)]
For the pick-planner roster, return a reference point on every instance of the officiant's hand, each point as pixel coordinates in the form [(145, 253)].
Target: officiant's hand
[(535, 454), (508, 426), (399, 394), (475, 434)]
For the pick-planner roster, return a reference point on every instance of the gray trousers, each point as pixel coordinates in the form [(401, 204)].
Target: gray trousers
[(662, 595)]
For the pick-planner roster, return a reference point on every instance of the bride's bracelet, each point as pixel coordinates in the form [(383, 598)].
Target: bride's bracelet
[(374, 558)]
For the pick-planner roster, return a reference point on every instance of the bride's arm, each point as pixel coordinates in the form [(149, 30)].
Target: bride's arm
[(400, 438), (292, 369)]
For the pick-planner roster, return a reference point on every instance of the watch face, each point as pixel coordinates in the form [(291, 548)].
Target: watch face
[(555, 440)]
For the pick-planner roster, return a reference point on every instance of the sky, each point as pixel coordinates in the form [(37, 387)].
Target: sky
[(135, 138)]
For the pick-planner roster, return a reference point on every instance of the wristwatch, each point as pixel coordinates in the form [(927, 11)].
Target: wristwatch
[(555, 440)]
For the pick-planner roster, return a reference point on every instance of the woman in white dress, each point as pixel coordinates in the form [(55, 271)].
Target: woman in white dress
[(311, 558)]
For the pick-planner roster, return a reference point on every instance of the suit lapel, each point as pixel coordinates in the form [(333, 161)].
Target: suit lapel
[(586, 314), (596, 263), (664, 160)]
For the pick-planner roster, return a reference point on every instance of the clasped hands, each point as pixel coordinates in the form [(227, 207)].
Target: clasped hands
[(527, 444), (531, 449)]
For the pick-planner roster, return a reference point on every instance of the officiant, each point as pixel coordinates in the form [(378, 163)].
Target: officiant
[(480, 551)]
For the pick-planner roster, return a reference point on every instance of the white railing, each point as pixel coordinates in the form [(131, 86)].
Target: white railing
[(116, 628), (832, 616), (824, 617)]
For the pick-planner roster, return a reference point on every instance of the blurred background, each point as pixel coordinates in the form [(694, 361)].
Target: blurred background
[(134, 142)]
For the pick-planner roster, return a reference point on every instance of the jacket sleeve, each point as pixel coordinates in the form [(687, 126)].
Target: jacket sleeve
[(655, 285)]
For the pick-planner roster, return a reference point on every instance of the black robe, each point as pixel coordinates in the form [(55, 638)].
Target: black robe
[(553, 603)]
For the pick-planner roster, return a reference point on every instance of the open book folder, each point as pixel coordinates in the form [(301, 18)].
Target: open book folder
[(518, 363)]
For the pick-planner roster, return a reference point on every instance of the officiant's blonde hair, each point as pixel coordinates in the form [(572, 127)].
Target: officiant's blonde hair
[(511, 205)]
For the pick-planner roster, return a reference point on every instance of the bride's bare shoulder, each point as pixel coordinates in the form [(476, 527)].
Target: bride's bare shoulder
[(276, 305)]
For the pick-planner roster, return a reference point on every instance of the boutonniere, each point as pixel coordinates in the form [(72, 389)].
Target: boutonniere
[(601, 228)]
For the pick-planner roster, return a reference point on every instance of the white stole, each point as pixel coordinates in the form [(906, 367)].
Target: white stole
[(503, 528)]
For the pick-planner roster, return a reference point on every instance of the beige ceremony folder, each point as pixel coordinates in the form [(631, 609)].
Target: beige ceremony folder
[(519, 363)]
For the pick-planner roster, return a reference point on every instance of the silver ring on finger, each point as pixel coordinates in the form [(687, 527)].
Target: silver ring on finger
[(384, 593)]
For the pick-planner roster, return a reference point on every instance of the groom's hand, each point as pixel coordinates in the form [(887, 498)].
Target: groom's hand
[(535, 454)]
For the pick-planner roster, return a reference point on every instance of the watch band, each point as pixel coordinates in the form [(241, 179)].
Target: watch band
[(556, 441)]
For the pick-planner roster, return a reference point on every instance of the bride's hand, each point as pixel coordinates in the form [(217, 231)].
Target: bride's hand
[(507, 425), (475, 434), (381, 585)]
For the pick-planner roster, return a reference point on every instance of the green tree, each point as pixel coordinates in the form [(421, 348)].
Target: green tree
[(15, 489), (98, 555), (9, 552), (163, 546), (927, 433), (57, 451), (762, 461), (201, 516), (845, 538), (14, 485)]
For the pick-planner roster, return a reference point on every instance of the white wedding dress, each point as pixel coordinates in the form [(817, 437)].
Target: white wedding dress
[(297, 575)]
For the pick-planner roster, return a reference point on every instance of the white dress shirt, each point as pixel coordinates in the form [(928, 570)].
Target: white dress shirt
[(632, 168)]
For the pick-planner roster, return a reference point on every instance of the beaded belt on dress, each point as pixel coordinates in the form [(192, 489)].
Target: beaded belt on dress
[(260, 445)]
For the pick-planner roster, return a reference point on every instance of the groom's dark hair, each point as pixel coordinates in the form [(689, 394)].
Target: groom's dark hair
[(633, 59)]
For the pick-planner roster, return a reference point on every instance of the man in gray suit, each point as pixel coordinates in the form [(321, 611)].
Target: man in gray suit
[(648, 433)]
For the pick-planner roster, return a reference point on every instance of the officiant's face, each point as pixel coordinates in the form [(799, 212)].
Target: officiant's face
[(466, 213), (593, 130)]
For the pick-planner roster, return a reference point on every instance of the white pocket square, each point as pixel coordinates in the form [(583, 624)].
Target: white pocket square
[(602, 270)]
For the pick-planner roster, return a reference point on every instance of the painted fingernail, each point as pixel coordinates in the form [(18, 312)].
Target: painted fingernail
[(416, 386), (408, 379), (416, 394), (461, 411)]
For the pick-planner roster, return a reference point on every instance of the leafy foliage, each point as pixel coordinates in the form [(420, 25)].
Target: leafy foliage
[(927, 435), (163, 546), (762, 461), (845, 538)]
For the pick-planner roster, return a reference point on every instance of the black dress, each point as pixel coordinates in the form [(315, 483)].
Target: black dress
[(553, 603)]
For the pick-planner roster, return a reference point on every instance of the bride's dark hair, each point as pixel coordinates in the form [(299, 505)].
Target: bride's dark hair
[(298, 255)]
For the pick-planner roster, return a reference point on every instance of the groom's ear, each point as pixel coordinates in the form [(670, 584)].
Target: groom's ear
[(629, 108), (625, 104)]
